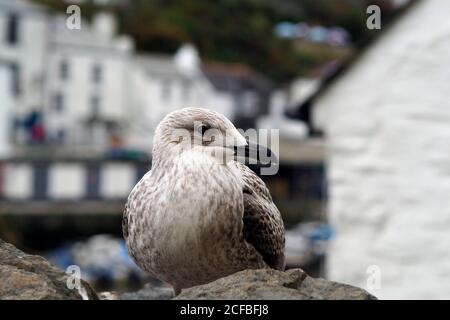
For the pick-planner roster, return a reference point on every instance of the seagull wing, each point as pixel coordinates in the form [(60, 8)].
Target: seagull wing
[(125, 218), (263, 225)]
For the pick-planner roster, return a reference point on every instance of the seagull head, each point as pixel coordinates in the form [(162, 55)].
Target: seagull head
[(206, 132)]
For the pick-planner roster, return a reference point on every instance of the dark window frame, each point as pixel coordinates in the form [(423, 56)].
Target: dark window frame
[(95, 105), (58, 102), (60, 135), (16, 87), (64, 69), (97, 73), (12, 29)]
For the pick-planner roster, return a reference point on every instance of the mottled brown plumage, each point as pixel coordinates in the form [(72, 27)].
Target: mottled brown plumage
[(196, 216)]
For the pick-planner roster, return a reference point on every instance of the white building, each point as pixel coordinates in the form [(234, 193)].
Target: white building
[(387, 127), (88, 88), (164, 83), (88, 82), (76, 82), (23, 46), (6, 111)]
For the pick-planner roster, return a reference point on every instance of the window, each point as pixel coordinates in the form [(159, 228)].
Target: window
[(58, 102), (97, 73), (12, 29), (95, 105), (64, 70), (60, 136), (15, 79)]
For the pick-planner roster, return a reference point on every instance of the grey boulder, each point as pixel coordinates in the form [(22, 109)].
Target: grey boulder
[(30, 277), (262, 284)]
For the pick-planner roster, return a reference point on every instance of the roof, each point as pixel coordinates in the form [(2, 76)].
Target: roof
[(160, 64), (341, 68), (223, 76), (234, 76)]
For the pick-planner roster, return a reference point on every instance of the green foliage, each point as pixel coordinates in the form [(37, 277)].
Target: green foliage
[(235, 30)]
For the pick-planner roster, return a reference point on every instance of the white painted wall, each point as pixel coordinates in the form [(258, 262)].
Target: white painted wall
[(129, 94), (117, 180), (79, 89), (82, 50), (149, 105), (28, 53), (387, 124), (17, 181), (67, 181), (6, 112)]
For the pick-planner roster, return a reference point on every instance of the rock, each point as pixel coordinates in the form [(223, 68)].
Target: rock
[(31, 277), (25, 276), (261, 284), (149, 292), (109, 295)]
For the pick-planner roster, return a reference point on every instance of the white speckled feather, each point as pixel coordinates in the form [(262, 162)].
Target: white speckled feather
[(184, 220)]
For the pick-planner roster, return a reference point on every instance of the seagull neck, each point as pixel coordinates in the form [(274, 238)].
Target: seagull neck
[(161, 161)]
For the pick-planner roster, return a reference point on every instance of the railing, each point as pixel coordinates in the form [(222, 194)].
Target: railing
[(77, 186)]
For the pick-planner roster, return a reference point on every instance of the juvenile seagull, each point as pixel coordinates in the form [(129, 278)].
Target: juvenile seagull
[(198, 215)]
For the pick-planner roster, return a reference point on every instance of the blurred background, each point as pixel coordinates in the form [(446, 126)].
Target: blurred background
[(364, 128)]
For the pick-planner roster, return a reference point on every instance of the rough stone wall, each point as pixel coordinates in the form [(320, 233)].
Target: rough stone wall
[(387, 125)]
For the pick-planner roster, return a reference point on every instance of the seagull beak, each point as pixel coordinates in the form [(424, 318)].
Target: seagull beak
[(254, 153), (240, 140)]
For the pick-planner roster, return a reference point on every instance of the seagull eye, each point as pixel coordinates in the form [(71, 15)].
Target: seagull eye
[(202, 129)]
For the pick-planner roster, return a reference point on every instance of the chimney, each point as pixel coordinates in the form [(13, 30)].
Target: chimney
[(105, 25), (187, 60)]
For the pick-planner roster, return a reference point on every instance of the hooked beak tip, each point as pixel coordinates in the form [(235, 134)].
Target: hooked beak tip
[(256, 152)]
